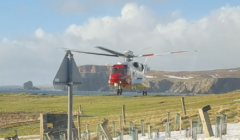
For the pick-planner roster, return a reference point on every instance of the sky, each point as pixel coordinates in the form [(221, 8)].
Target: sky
[(32, 34)]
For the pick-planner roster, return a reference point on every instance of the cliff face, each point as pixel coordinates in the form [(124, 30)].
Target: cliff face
[(92, 69), (199, 86), (94, 82), (95, 78)]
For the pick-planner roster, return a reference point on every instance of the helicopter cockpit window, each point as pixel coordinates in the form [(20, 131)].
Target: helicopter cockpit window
[(135, 64), (114, 70), (123, 70)]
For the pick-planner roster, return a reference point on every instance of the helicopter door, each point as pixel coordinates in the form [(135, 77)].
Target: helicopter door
[(128, 76)]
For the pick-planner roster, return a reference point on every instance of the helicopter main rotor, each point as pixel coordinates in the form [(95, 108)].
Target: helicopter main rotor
[(127, 55)]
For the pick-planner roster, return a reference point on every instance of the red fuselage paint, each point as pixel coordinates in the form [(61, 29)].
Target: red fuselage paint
[(120, 76)]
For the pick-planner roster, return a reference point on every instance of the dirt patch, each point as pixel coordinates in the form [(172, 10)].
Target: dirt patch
[(9, 119)]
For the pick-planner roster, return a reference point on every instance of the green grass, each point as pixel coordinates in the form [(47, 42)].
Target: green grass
[(152, 109)]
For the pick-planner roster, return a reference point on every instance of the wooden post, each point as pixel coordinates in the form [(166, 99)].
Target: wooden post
[(101, 136), (191, 129), (120, 122), (43, 125), (169, 133), (168, 117), (121, 134), (79, 125), (226, 124), (123, 114), (80, 109), (114, 129), (180, 123), (64, 136), (220, 128), (206, 121), (142, 128), (183, 105), (149, 132), (105, 131), (136, 133)]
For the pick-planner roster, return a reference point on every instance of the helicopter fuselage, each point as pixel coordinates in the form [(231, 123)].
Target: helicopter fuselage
[(128, 75)]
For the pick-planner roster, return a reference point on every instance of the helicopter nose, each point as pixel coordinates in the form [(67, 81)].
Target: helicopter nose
[(115, 78)]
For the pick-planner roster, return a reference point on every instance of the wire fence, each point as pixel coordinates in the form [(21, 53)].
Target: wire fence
[(135, 118)]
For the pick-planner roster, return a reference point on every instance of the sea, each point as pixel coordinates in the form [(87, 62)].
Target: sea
[(58, 92)]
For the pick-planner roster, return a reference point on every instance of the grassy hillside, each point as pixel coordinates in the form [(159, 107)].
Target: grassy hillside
[(21, 111)]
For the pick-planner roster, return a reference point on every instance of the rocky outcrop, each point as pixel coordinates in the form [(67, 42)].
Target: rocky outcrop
[(29, 86)]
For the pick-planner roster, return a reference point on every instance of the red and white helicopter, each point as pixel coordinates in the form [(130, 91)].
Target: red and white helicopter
[(128, 74)]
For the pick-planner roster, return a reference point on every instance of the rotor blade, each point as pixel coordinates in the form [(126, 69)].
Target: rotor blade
[(94, 53), (110, 51), (161, 54)]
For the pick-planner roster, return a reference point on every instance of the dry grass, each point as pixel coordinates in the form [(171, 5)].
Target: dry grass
[(138, 108)]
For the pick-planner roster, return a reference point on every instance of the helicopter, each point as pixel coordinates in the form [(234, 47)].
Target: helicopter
[(128, 74)]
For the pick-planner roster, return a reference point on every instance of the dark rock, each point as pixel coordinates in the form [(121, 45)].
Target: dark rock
[(28, 85)]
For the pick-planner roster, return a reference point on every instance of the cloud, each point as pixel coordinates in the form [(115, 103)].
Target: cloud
[(216, 37), (39, 33)]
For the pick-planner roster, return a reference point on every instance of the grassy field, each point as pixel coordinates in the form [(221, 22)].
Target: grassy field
[(21, 111)]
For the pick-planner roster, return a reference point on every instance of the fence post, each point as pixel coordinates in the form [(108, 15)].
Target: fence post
[(217, 123), (123, 114), (120, 122), (180, 123), (157, 133), (103, 126), (98, 131), (87, 131), (199, 126), (133, 133), (121, 134), (79, 125), (101, 136), (136, 133), (220, 128), (193, 129), (169, 130), (226, 124), (183, 105), (142, 128), (149, 132), (206, 121), (168, 119), (130, 128), (80, 109), (176, 124), (186, 133), (114, 129)]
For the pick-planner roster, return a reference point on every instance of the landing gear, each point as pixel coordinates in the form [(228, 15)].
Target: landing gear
[(144, 92), (119, 91)]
